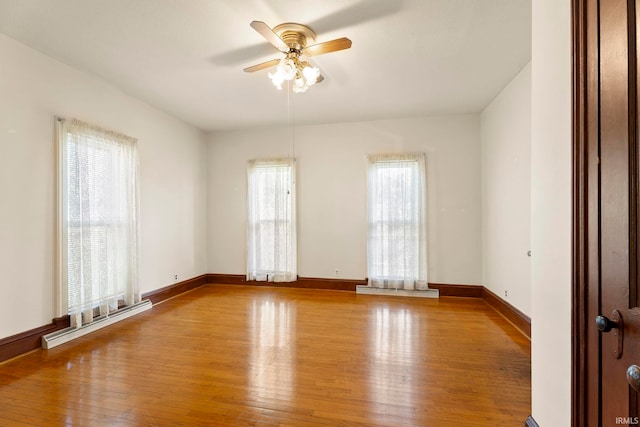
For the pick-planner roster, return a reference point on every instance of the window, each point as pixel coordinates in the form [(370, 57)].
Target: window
[(396, 241), (271, 234), (97, 220)]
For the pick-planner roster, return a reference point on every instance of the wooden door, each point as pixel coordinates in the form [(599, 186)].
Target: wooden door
[(606, 214)]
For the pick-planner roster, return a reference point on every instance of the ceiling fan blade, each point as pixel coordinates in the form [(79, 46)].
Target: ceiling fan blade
[(327, 47), (268, 34), (261, 66)]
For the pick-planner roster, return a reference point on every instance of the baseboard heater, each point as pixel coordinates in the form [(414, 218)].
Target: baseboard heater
[(426, 293), (65, 335)]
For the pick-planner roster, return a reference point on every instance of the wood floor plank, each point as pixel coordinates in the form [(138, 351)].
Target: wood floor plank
[(261, 356)]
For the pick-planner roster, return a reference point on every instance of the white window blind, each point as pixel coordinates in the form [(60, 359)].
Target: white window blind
[(98, 213), (396, 241), (271, 221)]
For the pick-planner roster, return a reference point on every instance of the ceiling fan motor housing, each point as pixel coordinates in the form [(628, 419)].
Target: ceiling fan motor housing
[(296, 36)]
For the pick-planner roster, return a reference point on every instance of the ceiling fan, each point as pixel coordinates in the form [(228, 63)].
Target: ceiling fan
[(295, 41)]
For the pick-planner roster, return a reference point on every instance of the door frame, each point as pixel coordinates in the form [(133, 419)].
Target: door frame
[(581, 210)]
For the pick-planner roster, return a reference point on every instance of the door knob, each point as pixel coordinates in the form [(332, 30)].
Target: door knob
[(604, 324), (633, 377)]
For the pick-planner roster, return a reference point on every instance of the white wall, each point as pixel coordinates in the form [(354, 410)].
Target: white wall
[(551, 213), (505, 135), (33, 89), (332, 193)]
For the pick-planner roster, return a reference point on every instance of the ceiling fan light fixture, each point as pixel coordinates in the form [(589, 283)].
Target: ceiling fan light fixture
[(290, 68), (310, 73), (299, 85), (277, 79)]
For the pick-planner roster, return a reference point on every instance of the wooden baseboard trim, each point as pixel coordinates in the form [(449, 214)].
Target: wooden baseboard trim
[(228, 279), (330, 284), (509, 312), (302, 282), (468, 291), (530, 422), (27, 341), (162, 294)]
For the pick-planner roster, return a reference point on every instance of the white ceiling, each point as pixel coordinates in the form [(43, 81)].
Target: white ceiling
[(409, 57)]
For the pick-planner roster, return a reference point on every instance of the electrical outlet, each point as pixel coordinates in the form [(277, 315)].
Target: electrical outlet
[(506, 293), (175, 277), (337, 272)]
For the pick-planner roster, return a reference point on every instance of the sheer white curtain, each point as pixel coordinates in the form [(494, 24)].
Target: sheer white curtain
[(397, 237), (271, 221), (98, 220)]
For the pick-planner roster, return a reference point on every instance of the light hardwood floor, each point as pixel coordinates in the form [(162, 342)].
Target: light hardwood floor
[(260, 356)]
